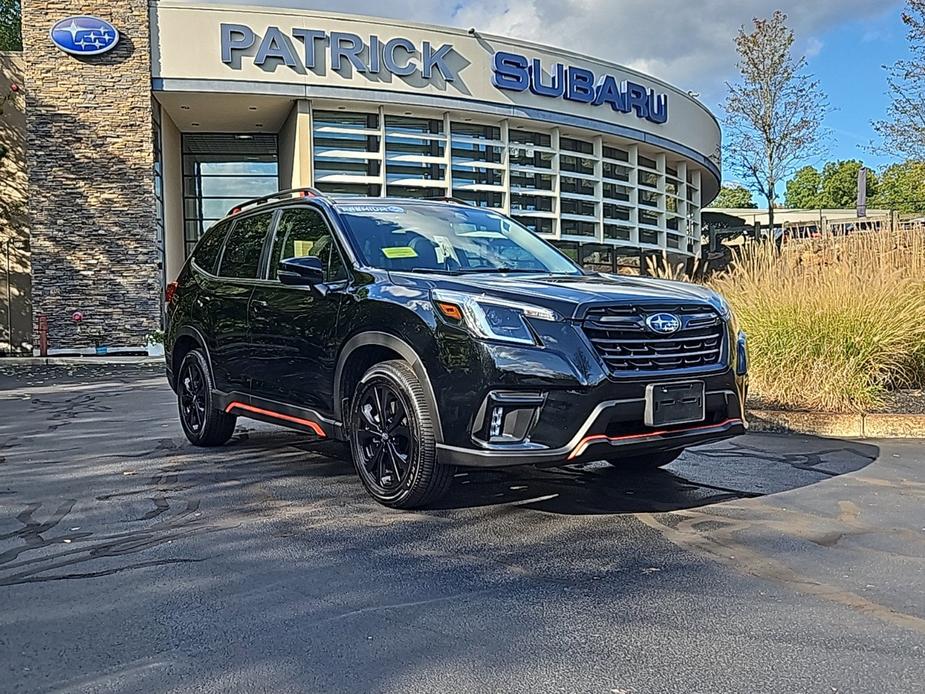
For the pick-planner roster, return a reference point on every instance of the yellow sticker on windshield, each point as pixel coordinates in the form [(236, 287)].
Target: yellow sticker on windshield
[(303, 248), (394, 252)]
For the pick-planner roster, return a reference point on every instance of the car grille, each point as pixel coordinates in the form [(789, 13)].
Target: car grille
[(621, 338)]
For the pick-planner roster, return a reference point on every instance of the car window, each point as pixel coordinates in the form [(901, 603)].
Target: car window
[(244, 246), (303, 232), (209, 247), (447, 238)]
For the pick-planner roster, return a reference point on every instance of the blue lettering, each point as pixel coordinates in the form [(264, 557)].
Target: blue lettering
[(275, 44), (236, 37), (510, 72), (436, 59), (391, 62), (580, 85), (556, 87), (375, 54), (309, 36), (607, 92), (637, 99), (658, 107), (349, 46)]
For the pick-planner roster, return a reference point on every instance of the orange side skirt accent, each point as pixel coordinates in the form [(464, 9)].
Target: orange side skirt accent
[(277, 415), (598, 438)]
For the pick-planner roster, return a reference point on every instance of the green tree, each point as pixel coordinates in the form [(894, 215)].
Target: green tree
[(902, 187), (734, 196), (803, 189), (774, 112), (903, 130), (10, 25), (840, 184), (836, 186)]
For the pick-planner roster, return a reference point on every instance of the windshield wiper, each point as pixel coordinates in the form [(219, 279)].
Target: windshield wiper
[(504, 270)]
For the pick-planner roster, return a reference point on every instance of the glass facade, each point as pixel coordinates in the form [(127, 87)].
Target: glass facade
[(220, 171), (564, 184)]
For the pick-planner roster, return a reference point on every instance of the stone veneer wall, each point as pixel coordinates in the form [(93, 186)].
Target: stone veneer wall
[(15, 276), (91, 179)]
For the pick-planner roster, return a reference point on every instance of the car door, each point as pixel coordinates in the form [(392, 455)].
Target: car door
[(238, 270), (294, 328)]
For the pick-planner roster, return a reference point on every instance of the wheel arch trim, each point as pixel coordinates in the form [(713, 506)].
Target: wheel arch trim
[(190, 331), (382, 339)]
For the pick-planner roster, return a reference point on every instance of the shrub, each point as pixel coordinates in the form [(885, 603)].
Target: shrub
[(832, 323)]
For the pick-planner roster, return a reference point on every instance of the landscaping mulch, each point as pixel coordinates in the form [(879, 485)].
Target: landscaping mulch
[(909, 401)]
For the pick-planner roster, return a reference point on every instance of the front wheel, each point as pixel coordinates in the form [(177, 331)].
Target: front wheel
[(650, 461), (392, 439)]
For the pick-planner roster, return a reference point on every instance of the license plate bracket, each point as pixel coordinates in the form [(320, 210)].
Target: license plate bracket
[(668, 404)]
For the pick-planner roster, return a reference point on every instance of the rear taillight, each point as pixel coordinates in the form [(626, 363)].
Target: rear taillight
[(169, 292)]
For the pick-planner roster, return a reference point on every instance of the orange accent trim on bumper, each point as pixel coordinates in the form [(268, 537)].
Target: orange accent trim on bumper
[(278, 415), (600, 438)]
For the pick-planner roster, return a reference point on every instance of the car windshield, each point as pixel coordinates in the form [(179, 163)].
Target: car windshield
[(439, 237)]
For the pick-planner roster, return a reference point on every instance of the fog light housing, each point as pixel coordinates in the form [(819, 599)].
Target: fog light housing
[(742, 355), (507, 417)]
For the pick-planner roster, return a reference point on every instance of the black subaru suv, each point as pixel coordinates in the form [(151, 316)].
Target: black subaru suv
[(429, 334)]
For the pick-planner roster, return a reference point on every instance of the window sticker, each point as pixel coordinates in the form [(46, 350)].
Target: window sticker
[(303, 248), (394, 252), (394, 209)]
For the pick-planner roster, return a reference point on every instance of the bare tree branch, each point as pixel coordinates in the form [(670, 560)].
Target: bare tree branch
[(774, 112)]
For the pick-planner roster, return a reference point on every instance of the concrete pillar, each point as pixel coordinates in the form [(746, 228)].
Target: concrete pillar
[(295, 149), (172, 166)]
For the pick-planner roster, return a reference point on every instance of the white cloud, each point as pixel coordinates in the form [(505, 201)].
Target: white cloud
[(688, 43)]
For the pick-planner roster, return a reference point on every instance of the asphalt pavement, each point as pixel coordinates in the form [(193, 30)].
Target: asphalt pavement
[(132, 562)]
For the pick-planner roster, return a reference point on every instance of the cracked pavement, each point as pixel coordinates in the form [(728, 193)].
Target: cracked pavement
[(131, 561)]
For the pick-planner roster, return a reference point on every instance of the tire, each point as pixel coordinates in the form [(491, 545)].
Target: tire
[(392, 439), (203, 424), (641, 463)]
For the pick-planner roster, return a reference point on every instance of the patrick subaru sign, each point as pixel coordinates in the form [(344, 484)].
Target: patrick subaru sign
[(84, 35), (346, 53)]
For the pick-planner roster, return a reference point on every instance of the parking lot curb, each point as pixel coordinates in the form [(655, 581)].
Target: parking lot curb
[(872, 426), (80, 361)]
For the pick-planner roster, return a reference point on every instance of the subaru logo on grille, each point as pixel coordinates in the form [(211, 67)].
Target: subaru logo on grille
[(663, 323), (84, 35)]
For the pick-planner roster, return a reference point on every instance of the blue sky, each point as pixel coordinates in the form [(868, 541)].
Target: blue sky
[(848, 66), (690, 43)]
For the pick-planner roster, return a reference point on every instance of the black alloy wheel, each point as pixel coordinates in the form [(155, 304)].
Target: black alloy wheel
[(392, 438), (384, 437), (202, 423)]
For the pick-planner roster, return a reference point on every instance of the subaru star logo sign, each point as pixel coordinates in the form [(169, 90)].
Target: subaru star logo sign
[(84, 35), (663, 323)]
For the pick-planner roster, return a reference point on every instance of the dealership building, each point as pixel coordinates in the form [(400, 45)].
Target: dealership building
[(144, 129)]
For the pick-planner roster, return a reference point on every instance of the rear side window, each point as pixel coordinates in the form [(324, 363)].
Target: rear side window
[(208, 249), (244, 246)]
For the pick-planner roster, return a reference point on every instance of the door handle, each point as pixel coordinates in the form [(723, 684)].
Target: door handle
[(260, 304)]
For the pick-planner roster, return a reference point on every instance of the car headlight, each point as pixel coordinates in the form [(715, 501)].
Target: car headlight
[(489, 318)]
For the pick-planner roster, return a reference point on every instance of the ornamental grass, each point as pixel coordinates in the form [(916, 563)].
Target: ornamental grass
[(835, 323)]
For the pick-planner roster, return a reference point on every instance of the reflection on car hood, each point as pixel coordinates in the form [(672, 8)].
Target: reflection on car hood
[(569, 295)]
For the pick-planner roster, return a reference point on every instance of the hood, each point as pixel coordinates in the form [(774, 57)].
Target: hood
[(570, 295)]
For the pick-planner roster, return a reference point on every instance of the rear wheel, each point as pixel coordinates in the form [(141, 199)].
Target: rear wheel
[(202, 423), (392, 439), (651, 461)]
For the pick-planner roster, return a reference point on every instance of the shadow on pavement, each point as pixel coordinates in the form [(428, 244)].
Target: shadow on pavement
[(746, 467)]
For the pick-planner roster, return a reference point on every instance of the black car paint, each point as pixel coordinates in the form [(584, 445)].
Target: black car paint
[(288, 346)]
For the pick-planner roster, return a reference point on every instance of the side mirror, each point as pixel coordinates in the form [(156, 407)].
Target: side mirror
[(307, 271)]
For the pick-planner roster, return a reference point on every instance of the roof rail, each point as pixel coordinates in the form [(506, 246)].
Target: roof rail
[(458, 201), (279, 195)]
